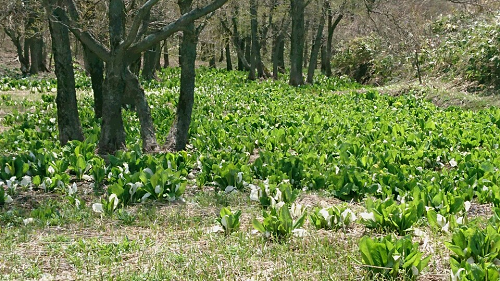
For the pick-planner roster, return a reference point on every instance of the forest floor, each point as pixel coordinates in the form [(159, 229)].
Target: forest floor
[(181, 241)]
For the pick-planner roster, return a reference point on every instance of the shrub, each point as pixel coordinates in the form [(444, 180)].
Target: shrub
[(469, 48), (363, 60)]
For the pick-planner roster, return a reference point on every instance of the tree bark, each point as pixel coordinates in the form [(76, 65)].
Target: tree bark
[(23, 59), (221, 57), (278, 56), (248, 48), (229, 64), (281, 53), (265, 29), (34, 43), (297, 42), (241, 56), (135, 66), (95, 66), (256, 47), (27, 53), (112, 130), (166, 62), (67, 111), (238, 43), (306, 43), (211, 61), (332, 25), (122, 87), (313, 61), (36, 53), (133, 88), (150, 62), (178, 135), (274, 58), (255, 44), (323, 58)]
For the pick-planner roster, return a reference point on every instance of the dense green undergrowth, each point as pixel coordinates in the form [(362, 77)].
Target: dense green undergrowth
[(411, 163), (35, 84)]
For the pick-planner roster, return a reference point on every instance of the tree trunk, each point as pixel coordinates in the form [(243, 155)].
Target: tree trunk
[(95, 66), (274, 58), (417, 65), (238, 43), (203, 51), (332, 25), (34, 40), (35, 47), (150, 63), (221, 57), (306, 43), (270, 25), (323, 59), (248, 48), (260, 65), (166, 62), (158, 57), (178, 135), (211, 62), (135, 67), (297, 42), (278, 56), (16, 40), (313, 61), (36, 52), (133, 89), (27, 53), (229, 65), (76, 49), (112, 130), (180, 51), (67, 111), (281, 53), (255, 44), (239, 51)]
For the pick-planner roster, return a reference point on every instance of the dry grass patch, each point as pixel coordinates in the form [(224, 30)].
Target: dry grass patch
[(174, 242)]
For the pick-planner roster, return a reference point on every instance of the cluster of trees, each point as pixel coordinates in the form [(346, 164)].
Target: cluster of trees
[(120, 39), (109, 58)]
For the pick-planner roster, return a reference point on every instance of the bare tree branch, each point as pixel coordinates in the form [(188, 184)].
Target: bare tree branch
[(84, 36), (236, 38), (173, 27), (141, 13)]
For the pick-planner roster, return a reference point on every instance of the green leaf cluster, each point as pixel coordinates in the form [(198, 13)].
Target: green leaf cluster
[(392, 256), (391, 216), (334, 217), (476, 253), (278, 223), (229, 221)]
